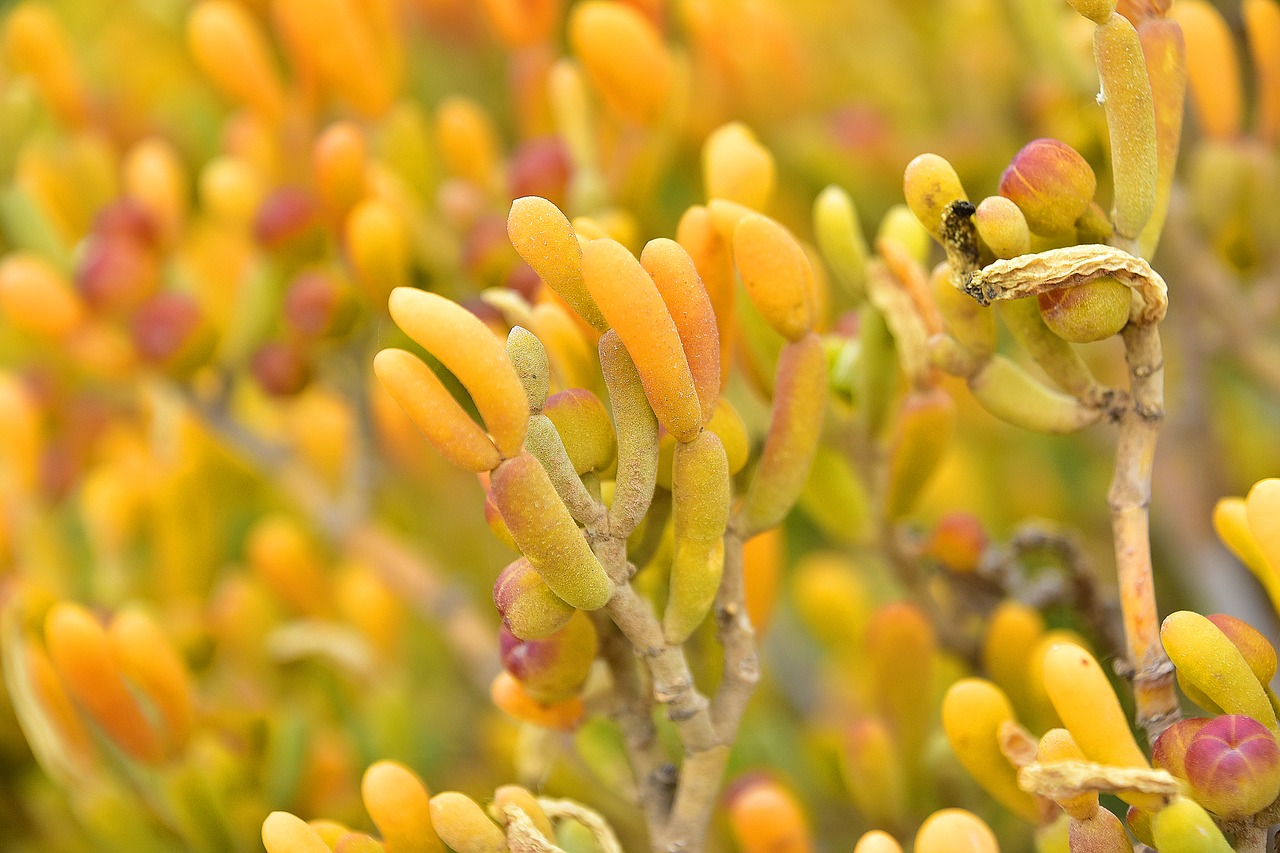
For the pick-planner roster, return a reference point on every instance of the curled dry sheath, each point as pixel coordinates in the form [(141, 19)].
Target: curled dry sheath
[(1042, 272), (1060, 780), (524, 837), (1055, 269)]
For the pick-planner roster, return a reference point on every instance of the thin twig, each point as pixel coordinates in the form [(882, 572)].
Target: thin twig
[(687, 708), (1129, 500), (673, 684), (703, 769), (632, 711), (738, 640), (705, 754)]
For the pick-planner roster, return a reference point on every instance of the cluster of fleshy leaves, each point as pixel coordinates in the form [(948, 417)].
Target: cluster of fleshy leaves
[(409, 818), (1220, 772)]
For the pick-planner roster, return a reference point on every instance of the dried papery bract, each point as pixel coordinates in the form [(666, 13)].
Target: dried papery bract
[(1070, 267), (1088, 706)]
